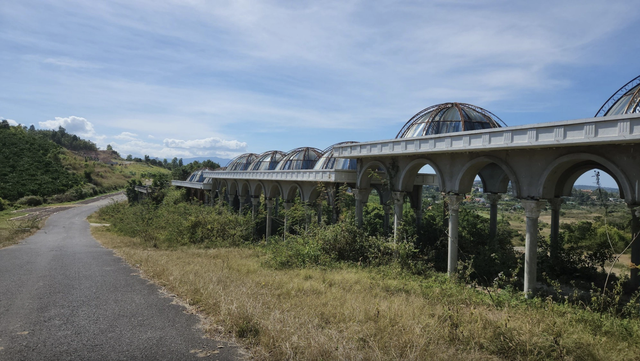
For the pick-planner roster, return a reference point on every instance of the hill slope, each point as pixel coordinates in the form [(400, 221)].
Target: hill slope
[(33, 163)]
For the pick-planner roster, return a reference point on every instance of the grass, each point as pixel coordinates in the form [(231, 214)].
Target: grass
[(383, 313), (109, 176), (12, 232)]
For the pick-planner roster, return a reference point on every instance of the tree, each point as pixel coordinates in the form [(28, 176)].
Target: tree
[(129, 157), (109, 147), (180, 164)]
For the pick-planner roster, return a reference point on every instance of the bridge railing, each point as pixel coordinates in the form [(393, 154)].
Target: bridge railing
[(601, 130)]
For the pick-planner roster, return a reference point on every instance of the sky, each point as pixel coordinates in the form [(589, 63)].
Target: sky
[(196, 78)]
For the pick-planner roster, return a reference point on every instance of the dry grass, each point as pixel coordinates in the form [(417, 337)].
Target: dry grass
[(370, 314), (12, 232)]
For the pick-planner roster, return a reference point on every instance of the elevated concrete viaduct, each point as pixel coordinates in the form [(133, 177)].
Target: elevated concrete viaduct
[(460, 142)]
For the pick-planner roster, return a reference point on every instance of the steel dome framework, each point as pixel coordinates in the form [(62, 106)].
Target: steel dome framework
[(624, 101), (449, 118)]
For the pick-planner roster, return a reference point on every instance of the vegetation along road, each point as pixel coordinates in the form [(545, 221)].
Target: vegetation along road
[(63, 296)]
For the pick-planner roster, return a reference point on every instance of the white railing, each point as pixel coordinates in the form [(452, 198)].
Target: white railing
[(602, 130), (195, 185), (335, 176)]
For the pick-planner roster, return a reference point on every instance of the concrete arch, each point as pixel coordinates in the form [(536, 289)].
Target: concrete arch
[(273, 189), (223, 186), (558, 178), (233, 187), (500, 174), (257, 188), (244, 188), (290, 192), (364, 180), (315, 193), (409, 172)]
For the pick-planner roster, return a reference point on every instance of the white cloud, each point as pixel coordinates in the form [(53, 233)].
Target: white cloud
[(66, 62), (127, 136), (207, 143), (74, 125), (209, 147), (151, 136), (10, 121)]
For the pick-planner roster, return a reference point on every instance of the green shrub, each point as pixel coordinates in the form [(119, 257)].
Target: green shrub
[(30, 201), (4, 204), (171, 225)]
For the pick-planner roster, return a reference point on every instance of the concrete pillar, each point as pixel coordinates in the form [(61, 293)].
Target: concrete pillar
[(532, 210), (416, 204), (255, 203), (386, 209), (554, 247), (398, 202), (493, 199), (361, 196), (454, 207), (635, 246), (287, 207), (269, 202)]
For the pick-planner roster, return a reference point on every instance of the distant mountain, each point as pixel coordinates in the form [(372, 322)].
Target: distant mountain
[(591, 188), (222, 161)]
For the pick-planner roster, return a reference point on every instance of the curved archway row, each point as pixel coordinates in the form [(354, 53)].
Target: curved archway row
[(536, 176)]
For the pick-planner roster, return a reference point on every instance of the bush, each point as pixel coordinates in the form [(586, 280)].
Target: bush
[(30, 201), (4, 204), (342, 242), (174, 224)]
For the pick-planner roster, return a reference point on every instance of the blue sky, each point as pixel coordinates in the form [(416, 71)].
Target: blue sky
[(196, 78)]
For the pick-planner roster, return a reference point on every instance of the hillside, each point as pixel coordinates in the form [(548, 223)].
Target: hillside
[(34, 163)]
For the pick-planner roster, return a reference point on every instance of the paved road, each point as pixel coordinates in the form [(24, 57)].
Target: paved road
[(64, 297)]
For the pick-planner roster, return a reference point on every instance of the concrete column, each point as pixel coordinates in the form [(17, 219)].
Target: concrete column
[(493, 199), (361, 196), (635, 246), (255, 203), (416, 204), (398, 202), (269, 202), (287, 207), (554, 247), (386, 209), (532, 210), (454, 207)]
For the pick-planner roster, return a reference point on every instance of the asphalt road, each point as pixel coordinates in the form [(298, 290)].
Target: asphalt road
[(64, 297)]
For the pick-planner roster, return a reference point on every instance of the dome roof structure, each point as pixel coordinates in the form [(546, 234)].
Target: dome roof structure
[(267, 160), (300, 158), (449, 118), (328, 161), (197, 176), (241, 162), (625, 101)]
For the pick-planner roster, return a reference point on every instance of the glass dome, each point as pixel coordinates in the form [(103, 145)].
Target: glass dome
[(197, 176), (448, 118), (625, 101), (267, 160), (241, 162), (329, 162), (300, 158)]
